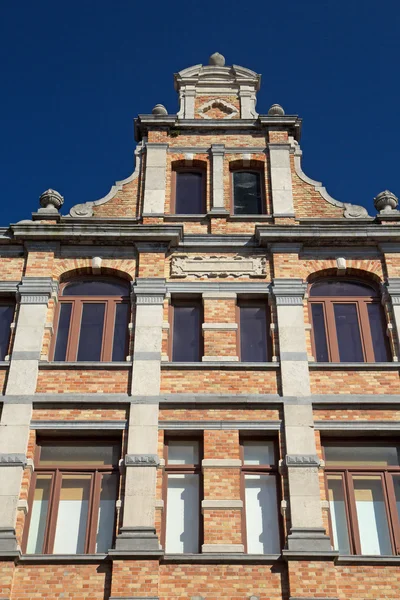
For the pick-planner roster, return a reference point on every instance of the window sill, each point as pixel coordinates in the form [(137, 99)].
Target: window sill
[(236, 365), (354, 365), (43, 364), (61, 558), (171, 217), (358, 559), (225, 557), (251, 218), (4, 363)]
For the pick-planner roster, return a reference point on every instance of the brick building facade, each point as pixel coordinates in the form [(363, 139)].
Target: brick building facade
[(200, 377)]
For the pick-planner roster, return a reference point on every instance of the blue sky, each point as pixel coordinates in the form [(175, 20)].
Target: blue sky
[(74, 74)]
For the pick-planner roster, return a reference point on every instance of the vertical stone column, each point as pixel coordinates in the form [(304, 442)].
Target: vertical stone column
[(15, 418), (155, 179), (217, 156), (393, 288), (138, 532), (302, 463), (281, 180)]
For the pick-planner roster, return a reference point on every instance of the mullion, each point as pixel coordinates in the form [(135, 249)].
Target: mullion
[(53, 512)]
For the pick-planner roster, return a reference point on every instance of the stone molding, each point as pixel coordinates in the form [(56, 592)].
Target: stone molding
[(141, 460), (208, 548), (220, 327), (221, 463), (9, 287), (13, 460), (149, 290), (222, 504), (289, 291), (79, 425), (86, 209), (357, 425), (36, 290), (220, 359), (302, 460), (393, 289), (231, 425), (220, 287), (218, 266)]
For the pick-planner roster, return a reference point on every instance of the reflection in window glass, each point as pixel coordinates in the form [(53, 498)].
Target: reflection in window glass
[(365, 456), (261, 514), (371, 515), (95, 288), (348, 333), (72, 515), (183, 503), (91, 332), (321, 347), (186, 333), (247, 193), (253, 333), (75, 454), (378, 333), (338, 514), (120, 329), (189, 193), (6, 317), (106, 520), (183, 453), (341, 288), (39, 512), (258, 453), (64, 320)]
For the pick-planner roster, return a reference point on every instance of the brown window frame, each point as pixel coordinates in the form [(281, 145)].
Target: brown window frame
[(56, 473), (182, 469), (261, 173), (262, 301), (347, 472), (184, 301), (271, 470), (76, 316), (8, 302), (361, 303), (188, 169)]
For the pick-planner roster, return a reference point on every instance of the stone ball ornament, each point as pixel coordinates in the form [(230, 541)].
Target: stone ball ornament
[(51, 200), (216, 60), (159, 110), (276, 110), (386, 202)]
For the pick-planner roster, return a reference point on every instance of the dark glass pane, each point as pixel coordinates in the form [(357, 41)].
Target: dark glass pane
[(91, 332), (64, 320), (253, 333), (341, 288), (321, 347), (186, 334), (120, 332), (189, 193), (6, 317), (378, 334), (96, 288), (348, 333), (78, 453), (246, 193)]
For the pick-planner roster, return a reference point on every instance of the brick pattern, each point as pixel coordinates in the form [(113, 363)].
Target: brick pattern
[(219, 382), (3, 378), (125, 203), (348, 381), (77, 413), (72, 381), (312, 579), (135, 578), (11, 268), (219, 414), (367, 582)]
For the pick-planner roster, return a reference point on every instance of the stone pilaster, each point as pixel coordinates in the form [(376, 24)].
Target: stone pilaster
[(138, 531), (155, 179), (281, 180), (393, 288), (302, 464), (217, 197)]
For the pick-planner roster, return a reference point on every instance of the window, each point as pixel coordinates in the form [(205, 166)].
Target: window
[(348, 322), (189, 192), (92, 321), (254, 335), (259, 484), (73, 498), (186, 340), (363, 484), (7, 310), (247, 194), (182, 503)]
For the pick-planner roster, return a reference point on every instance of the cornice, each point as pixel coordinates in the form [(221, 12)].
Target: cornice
[(314, 234)]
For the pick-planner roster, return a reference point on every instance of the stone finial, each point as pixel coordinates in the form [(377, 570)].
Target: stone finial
[(216, 60), (51, 200), (386, 202), (276, 110), (159, 110)]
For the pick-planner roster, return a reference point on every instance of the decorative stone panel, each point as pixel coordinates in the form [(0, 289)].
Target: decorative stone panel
[(218, 266)]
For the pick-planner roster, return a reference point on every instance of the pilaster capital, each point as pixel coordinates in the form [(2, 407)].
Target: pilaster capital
[(13, 460), (217, 149), (36, 290), (149, 290), (393, 289), (302, 460), (141, 460), (289, 291)]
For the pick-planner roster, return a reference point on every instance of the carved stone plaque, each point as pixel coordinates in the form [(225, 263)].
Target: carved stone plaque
[(218, 266)]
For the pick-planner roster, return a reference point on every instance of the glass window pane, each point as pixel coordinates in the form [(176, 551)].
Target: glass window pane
[(64, 321), (183, 507), (91, 332), (72, 515), (247, 193), (80, 454), (189, 193), (262, 525), (120, 332), (40, 508), (378, 333), (106, 520), (321, 347), (341, 288), (96, 288), (348, 333), (362, 456), (186, 334), (371, 515), (183, 453), (337, 507), (6, 317), (258, 453), (396, 485), (253, 333)]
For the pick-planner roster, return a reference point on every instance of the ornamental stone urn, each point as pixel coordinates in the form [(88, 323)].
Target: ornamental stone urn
[(386, 202), (50, 201)]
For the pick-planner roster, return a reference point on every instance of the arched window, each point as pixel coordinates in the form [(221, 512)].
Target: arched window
[(248, 198), (348, 322), (92, 321), (188, 191)]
